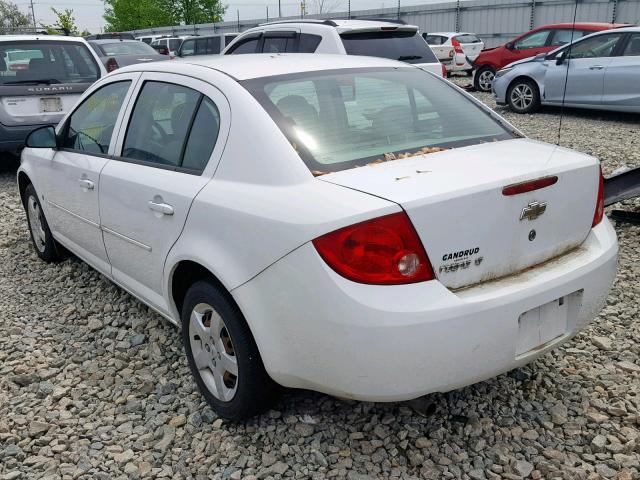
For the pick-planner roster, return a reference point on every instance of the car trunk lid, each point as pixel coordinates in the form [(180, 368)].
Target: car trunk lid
[(33, 104), (471, 231)]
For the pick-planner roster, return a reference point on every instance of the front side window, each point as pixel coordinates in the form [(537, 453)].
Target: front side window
[(159, 123), (90, 127), (343, 119), (244, 46), (533, 40), (400, 45), (596, 47), (633, 46), (174, 44), (47, 62)]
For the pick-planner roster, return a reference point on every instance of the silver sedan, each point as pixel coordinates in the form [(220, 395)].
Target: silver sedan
[(600, 71)]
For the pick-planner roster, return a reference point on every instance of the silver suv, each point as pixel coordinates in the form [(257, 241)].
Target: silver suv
[(41, 78), (373, 38)]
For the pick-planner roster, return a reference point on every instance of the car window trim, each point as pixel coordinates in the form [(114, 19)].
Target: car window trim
[(177, 168), (65, 128)]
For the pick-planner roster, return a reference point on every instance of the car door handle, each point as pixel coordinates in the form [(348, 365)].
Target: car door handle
[(163, 208), (84, 183), (596, 67)]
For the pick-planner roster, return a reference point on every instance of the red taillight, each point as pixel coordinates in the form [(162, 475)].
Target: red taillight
[(383, 251), (599, 213), (112, 65), (444, 70), (457, 46), (529, 186)]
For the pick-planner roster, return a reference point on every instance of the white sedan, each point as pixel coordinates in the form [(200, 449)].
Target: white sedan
[(351, 225)]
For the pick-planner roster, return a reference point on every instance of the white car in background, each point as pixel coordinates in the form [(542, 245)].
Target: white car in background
[(41, 78), (351, 225), (386, 39), (455, 50)]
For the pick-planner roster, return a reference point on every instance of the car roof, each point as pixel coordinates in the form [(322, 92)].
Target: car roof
[(256, 65), (113, 40), (17, 38), (449, 34), (585, 25), (345, 25)]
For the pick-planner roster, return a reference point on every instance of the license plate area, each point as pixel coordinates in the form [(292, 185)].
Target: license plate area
[(544, 325), (50, 104)]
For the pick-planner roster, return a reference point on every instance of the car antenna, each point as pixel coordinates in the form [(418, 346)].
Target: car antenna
[(566, 76)]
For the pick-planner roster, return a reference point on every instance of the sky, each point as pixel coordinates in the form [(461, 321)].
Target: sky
[(88, 13)]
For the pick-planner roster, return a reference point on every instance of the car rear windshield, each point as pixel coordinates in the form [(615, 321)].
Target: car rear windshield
[(50, 62), (467, 38), (341, 119), (398, 45), (127, 48)]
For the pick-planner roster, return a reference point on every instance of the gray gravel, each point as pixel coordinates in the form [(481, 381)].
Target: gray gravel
[(95, 385)]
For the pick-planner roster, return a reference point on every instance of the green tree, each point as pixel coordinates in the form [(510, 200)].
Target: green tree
[(11, 17), (124, 15), (65, 22)]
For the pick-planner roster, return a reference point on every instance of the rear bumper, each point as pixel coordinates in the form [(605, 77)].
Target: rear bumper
[(319, 331), (13, 137)]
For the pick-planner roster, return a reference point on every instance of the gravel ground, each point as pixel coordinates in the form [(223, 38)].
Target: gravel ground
[(95, 385)]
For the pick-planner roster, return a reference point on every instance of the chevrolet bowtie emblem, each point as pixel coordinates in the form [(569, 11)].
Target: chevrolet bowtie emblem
[(533, 210)]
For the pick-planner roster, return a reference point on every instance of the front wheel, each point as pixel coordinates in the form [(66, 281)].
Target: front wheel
[(484, 78), (523, 96), (46, 247), (222, 354)]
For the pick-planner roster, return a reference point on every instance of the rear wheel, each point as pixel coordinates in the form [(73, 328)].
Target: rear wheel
[(223, 355), (523, 96), (484, 78), (46, 247)]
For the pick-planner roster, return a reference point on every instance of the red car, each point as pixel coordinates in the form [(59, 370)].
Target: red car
[(539, 40)]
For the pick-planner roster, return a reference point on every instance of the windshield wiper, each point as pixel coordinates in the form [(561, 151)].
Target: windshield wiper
[(404, 58), (44, 81)]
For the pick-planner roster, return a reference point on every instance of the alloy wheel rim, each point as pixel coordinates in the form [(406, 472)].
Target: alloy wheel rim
[(486, 79), (213, 352), (35, 224), (522, 96)]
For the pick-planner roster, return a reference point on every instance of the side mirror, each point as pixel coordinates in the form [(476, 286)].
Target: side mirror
[(560, 58), (43, 137), (510, 46)]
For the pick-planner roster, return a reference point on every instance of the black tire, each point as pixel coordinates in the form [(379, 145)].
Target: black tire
[(523, 96), (255, 391), (483, 79), (43, 243)]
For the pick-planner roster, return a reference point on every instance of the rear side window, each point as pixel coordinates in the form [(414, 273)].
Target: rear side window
[(172, 126), (203, 136), (90, 127), (278, 44), (467, 38), (308, 43), (397, 45), (248, 45), (633, 47), (174, 44), (46, 61), (188, 48), (159, 123), (562, 36), (435, 39)]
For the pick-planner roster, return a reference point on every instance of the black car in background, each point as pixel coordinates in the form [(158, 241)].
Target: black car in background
[(116, 53)]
